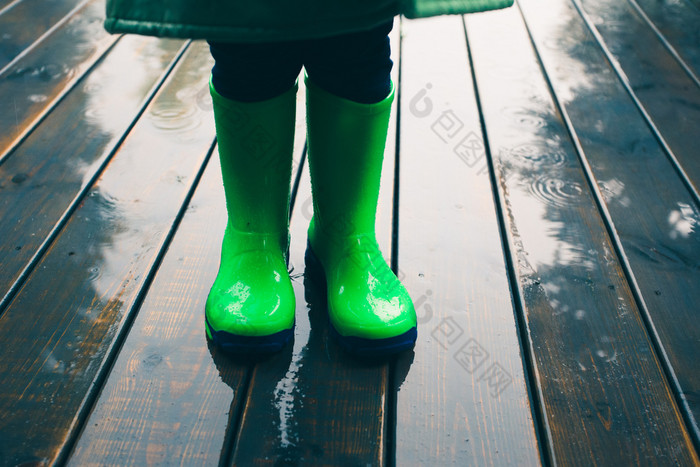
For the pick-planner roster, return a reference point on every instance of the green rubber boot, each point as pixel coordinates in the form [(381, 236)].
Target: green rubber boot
[(250, 307), (369, 310)]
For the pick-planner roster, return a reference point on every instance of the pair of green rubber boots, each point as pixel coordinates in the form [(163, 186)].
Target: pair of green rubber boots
[(251, 304)]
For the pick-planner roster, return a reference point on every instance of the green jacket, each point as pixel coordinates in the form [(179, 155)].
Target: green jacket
[(271, 20)]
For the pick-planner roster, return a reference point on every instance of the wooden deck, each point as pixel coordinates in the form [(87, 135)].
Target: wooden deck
[(539, 200)]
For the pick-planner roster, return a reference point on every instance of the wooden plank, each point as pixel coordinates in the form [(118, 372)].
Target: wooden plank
[(170, 398), (604, 393), (64, 327), (16, 36), (464, 400), (32, 86), (6, 5), (677, 22), (46, 175), (658, 235), (668, 94), (177, 413), (313, 403)]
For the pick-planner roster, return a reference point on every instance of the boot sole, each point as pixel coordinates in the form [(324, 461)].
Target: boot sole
[(352, 344), (234, 343)]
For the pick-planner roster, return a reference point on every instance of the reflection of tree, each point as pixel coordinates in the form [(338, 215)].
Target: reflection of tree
[(63, 324), (43, 176), (71, 312), (666, 265), (587, 333), (563, 265)]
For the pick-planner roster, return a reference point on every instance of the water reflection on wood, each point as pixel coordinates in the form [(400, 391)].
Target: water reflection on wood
[(542, 225)]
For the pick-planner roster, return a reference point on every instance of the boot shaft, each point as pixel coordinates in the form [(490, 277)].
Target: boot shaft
[(346, 143), (255, 143)]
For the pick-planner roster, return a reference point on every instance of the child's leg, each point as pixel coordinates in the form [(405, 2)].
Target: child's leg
[(352, 66), (349, 97), (251, 303), (254, 72)]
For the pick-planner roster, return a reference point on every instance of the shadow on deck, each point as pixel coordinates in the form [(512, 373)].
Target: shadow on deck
[(539, 201)]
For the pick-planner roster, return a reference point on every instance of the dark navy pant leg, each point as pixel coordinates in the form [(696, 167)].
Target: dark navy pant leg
[(354, 66), (255, 72)]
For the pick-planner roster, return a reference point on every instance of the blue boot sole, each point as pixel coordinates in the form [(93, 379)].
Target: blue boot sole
[(234, 343), (357, 345)]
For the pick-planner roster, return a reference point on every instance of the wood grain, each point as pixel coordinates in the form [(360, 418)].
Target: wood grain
[(6, 3), (652, 211), (110, 241), (61, 332), (49, 172), (678, 24), (465, 399), (170, 398), (32, 86), (171, 318), (605, 396), (17, 36), (668, 94)]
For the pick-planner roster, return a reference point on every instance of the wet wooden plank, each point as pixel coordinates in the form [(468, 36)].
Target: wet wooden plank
[(32, 86), (170, 398), (696, 3), (156, 425), (5, 4), (678, 24), (604, 394), (62, 330), (46, 174), (464, 400), (16, 36), (653, 213), (668, 94), (313, 403)]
